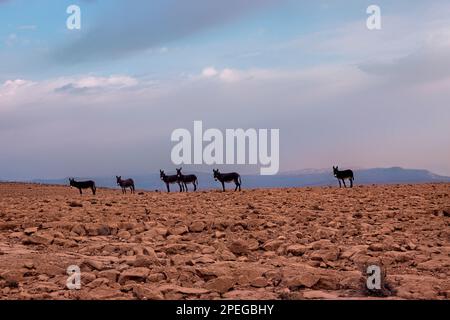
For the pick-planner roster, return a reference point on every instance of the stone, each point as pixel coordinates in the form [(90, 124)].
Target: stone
[(145, 293), (435, 265), (145, 261), (239, 247), (93, 264), (111, 275), (178, 231), (316, 294), (125, 235), (305, 279), (259, 282), (376, 247), (325, 255), (221, 284), (296, 250), (30, 231), (197, 226), (272, 245), (38, 239), (134, 274)]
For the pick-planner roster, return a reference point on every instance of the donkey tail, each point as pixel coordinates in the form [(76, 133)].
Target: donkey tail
[(240, 181)]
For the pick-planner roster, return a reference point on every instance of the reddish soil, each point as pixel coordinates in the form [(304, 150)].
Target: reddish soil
[(305, 243)]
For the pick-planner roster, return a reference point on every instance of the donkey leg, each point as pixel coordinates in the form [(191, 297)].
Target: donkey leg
[(339, 183), (168, 189), (343, 181), (195, 186), (351, 182), (223, 186), (186, 187), (81, 192)]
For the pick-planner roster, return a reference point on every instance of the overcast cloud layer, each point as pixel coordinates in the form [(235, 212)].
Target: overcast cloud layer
[(339, 95)]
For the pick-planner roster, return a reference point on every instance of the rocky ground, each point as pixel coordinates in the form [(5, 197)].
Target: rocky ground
[(306, 243)]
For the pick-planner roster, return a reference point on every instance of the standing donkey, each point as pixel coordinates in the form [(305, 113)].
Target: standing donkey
[(83, 185), (228, 177), (169, 180), (342, 175), (124, 184), (186, 179)]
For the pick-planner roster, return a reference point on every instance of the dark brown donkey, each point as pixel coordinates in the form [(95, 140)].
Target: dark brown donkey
[(83, 185), (186, 179), (228, 177), (342, 175), (169, 180), (128, 183)]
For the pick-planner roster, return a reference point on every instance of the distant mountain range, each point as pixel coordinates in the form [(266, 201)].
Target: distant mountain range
[(302, 178)]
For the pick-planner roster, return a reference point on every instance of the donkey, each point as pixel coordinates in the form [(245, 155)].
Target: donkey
[(128, 183), (228, 177), (186, 179), (83, 185), (169, 180), (342, 175)]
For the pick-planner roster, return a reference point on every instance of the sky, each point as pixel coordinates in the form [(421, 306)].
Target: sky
[(104, 100)]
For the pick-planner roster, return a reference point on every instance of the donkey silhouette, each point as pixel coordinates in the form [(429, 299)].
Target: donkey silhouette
[(124, 184), (83, 185), (170, 180), (186, 179), (227, 178), (342, 175)]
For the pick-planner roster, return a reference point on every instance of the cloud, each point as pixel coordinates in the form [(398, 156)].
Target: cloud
[(428, 64), (27, 27), (15, 94), (141, 25), (11, 87), (92, 84), (226, 75), (209, 72), (328, 113)]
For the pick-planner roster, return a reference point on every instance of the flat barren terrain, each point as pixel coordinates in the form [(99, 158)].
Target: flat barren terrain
[(306, 243)]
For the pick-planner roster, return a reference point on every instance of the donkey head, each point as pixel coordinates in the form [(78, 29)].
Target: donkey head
[(216, 174), (335, 170), (179, 174), (118, 178), (71, 181), (162, 174)]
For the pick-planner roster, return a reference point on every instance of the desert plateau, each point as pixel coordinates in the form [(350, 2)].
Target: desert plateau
[(294, 243)]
